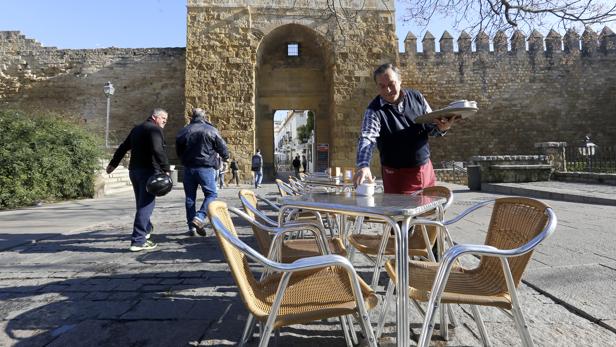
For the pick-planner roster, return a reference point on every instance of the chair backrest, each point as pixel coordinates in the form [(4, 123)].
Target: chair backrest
[(235, 252), (515, 221), (440, 191), (249, 202)]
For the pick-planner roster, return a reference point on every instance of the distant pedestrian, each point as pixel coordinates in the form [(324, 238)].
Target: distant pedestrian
[(222, 170), (198, 144), (146, 143), (257, 167), (296, 165), (234, 170), (304, 164)]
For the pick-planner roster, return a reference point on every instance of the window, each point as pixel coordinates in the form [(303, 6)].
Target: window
[(293, 49)]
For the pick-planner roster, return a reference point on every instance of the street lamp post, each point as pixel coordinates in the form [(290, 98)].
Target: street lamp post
[(588, 149), (109, 90)]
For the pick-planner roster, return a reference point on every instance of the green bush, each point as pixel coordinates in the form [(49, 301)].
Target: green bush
[(45, 157)]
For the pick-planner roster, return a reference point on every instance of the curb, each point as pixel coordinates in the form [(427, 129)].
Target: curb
[(545, 194)]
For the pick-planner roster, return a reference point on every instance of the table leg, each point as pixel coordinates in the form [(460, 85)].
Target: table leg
[(402, 288)]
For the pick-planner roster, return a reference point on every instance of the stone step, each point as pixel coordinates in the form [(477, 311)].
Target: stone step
[(118, 190)]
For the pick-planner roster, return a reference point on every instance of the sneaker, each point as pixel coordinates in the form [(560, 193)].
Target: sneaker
[(147, 236), (147, 245), (192, 231), (199, 226)]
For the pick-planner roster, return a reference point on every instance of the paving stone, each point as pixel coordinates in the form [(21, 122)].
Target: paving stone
[(87, 289), (133, 333)]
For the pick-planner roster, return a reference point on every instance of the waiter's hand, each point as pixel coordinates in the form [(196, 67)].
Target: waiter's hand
[(361, 175), (445, 123)]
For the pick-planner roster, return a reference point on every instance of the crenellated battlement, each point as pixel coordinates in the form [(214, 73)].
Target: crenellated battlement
[(588, 44)]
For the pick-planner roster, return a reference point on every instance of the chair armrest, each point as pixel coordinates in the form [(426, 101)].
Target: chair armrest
[(279, 232), (268, 202), (468, 211), (316, 230), (320, 261), (251, 220), (257, 212)]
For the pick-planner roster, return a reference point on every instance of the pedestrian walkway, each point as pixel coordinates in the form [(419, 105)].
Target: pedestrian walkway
[(72, 281)]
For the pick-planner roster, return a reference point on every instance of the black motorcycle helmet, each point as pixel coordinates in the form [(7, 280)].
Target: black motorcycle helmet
[(159, 184)]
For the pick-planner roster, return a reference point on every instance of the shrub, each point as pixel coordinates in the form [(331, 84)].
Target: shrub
[(45, 157)]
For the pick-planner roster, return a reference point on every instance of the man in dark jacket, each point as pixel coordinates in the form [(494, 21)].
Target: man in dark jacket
[(296, 165), (197, 145), (147, 145)]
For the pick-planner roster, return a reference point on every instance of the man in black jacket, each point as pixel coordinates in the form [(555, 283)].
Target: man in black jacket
[(147, 145), (197, 145)]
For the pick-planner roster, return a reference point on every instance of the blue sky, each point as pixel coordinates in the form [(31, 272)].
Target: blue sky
[(119, 23)]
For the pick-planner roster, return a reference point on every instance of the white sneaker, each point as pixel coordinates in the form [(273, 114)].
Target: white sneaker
[(147, 245)]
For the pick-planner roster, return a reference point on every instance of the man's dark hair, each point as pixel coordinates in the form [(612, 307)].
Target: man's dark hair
[(381, 70)]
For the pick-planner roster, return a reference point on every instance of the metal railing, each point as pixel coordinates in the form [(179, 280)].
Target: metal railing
[(456, 170), (603, 160)]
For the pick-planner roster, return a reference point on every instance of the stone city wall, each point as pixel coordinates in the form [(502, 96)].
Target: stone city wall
[(34, 78), (529, 89), (526, 92)]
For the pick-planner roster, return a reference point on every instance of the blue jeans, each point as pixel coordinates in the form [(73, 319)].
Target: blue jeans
[(145, 205), (194, 177), (258, 177)]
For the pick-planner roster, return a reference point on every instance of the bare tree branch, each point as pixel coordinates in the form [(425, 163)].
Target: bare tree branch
[(509, 15)]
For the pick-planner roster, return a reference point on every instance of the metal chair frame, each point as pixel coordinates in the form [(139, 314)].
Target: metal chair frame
[(300, 265)]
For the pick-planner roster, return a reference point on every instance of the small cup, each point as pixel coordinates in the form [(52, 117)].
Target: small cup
[(365, 189)]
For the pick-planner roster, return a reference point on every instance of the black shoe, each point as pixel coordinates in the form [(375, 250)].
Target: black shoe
[(199, 226), (192, 231)]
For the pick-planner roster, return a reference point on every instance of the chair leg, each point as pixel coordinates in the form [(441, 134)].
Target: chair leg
[(379, 258), (481, 326), (388, 298), (452, 316), (266, 333), (443, 322), (521, 325), (345, 330), (250, 325), (352, 329)]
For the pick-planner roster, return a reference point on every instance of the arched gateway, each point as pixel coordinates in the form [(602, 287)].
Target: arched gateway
[(247, 59)]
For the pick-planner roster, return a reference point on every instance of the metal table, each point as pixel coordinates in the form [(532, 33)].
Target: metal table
[(338, 186), (386, 207)]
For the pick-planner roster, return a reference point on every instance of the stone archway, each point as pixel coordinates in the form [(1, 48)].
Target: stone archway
[(285, 82)]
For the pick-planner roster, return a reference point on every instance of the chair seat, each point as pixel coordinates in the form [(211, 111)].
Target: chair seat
[(464, 286), (369, 244), (310, 295), (302, 248)]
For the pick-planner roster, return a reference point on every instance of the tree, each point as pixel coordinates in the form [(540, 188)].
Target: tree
[(508, 15), (304, 131)]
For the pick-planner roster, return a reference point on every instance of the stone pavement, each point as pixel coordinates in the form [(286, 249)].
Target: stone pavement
[(67, 279)]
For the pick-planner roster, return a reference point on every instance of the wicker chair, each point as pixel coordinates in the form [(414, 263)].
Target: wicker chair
[(517, 226), (377, 247), (270, 236), (308, 289)]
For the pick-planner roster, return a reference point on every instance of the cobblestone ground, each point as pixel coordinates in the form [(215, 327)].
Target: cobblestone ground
[(85, 288)]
